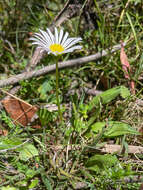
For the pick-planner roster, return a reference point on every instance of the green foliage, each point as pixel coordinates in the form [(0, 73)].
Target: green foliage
[(107, 169), (113, 129), (64, 155), (46, 182), (8, 143), (8, 188), (27, 151), (46, 90), (108, 96), (101, 162), (45, 116), (6, 119), (33, 183)]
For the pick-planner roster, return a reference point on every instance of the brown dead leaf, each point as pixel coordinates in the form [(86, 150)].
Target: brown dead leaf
[(3, 132), (20, 111), (125, 63), (126, 68), (36, 127)]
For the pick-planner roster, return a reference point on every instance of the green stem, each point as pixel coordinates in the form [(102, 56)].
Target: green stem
[(57, 91)]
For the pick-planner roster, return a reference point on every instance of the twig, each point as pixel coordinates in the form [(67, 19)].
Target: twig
[(37, 56), (92, 91), (11, 47), (15, 97), (48, 69), (61, 12), (107, 148), (117, 148), (69, 10)]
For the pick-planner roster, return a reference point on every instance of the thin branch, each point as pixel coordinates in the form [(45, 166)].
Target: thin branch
[(92, 91), (70, 10), (117, 148), (107, 148), (48, 69), (11, 95)]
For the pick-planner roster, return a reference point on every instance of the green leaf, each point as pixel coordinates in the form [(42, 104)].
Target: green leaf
[(125, 92), (108, 96), (100, 162), (34, 183), (119, 128), (45, 116), (21, 183), (30, 173), (8, 188), (27, 151), (46, 182), (114, 128), (44, 88), (7, 143)]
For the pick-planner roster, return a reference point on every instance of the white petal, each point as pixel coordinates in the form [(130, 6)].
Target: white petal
[(39, 42), (42, 41), (56, 36), (46, 36), (40, 45), (50, 35), (65, 38), (36, 40), (60, 36), (69, 40), (72, 49), (39, 36), (75, 41)]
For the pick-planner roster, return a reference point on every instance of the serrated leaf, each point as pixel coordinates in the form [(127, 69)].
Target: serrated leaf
[(27, 151)]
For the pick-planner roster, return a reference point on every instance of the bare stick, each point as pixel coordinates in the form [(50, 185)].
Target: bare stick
[(107, 148), (117, 148), (15, 97), (48, 69)]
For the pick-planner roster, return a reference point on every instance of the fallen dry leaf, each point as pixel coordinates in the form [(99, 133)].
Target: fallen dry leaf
[(20, 111), (126, 68), (3, 132), (125, 63)]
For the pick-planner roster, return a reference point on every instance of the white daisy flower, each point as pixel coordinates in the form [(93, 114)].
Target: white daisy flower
[(56, 44)]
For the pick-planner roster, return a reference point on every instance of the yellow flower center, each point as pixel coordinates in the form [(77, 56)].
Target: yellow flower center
[(56, 48)]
